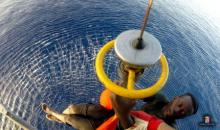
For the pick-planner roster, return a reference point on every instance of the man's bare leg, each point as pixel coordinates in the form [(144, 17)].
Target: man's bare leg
[(89, 110), (53, 118), (49, 111), (73, 120), (74, 109)]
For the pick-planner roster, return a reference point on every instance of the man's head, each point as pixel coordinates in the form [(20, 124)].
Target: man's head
[(180, 107)]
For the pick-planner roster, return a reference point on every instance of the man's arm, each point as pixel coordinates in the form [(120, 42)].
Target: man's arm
[(122, 107)]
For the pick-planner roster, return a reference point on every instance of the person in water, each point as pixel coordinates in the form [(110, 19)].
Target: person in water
[(158, 105), (179, 107), (91, 116)]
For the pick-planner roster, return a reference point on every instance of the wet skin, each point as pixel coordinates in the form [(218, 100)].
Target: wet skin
[(179, 107)]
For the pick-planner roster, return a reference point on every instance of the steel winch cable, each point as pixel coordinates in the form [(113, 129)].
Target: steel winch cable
[(139, 44)]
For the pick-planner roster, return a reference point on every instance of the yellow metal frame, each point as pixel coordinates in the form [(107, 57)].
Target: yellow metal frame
[(130, 91)]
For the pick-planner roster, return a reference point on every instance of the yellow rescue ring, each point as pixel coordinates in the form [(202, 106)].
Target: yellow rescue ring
[(129, 92)]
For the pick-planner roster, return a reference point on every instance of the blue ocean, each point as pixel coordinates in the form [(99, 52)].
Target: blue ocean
[(48, 49)]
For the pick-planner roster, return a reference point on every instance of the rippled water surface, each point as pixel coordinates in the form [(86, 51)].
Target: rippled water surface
[(48, 47)]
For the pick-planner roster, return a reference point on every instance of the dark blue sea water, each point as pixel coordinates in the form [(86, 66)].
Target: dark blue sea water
[(48, 48)]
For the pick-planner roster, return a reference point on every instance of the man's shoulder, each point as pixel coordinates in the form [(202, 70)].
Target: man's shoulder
[(159, 97), (154, 104)]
